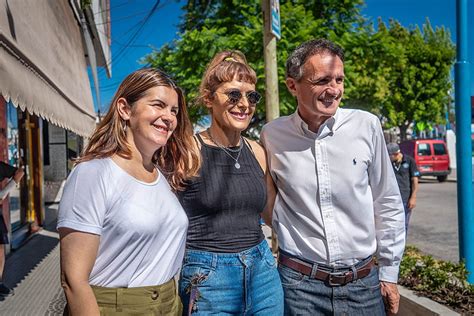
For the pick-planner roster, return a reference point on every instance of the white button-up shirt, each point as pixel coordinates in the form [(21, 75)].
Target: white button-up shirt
[(338, 201)]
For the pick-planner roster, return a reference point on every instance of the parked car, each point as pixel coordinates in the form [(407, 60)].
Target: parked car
[(431, 156)]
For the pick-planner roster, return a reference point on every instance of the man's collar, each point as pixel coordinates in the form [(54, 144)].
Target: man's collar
[(325, 129)]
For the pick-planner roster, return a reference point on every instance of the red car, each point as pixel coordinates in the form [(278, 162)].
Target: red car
[(431, 156)]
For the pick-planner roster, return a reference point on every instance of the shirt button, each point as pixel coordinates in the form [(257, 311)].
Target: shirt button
[(155, 295)]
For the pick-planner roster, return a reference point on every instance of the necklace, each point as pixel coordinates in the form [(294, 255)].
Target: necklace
[(228, 151)]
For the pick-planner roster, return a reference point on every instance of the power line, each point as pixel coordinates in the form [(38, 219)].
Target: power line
[(135, 35), (113, 7), (124, 18), (129, 44)]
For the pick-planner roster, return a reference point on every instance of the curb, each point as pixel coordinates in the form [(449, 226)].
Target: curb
[(414, 305)]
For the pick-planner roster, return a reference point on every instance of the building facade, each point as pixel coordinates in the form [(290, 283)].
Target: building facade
[(46, 105)]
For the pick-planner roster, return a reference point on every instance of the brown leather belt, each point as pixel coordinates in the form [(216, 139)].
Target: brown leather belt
[(331, 278)]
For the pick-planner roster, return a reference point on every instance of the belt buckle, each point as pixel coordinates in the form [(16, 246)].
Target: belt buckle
[(336, 274)]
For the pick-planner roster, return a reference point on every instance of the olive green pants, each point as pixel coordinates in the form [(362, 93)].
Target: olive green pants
[(148, 300)]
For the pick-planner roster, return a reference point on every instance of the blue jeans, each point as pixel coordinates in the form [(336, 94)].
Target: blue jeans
[(407, 216), (305, 296), (244, 283)]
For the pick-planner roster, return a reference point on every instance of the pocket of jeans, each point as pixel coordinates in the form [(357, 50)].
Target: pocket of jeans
[(289, 277), (371, 281), (194, 274), (269, 259)]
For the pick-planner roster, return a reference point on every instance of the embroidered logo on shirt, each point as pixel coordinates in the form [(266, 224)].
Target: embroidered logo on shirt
[(354, 161)]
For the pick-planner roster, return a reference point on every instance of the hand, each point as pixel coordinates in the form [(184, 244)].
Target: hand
[(18, 175), (411, 203), (391, 297)]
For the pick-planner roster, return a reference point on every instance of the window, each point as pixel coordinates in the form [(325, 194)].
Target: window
[(424, 150), (439, 149)]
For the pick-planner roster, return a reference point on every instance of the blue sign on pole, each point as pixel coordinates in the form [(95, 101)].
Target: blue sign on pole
[(275, 18)]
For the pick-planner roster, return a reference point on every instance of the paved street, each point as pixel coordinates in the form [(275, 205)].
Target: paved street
[(433, 225)]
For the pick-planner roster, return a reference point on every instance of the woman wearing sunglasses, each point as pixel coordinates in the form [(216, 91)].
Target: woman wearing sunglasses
[(228, 267)]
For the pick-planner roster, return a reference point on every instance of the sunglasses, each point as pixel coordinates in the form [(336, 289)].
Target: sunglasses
[(234, 96)]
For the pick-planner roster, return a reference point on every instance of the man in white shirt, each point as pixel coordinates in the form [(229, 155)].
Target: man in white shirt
[(337, 201)]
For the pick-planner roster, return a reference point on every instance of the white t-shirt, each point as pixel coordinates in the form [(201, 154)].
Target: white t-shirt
[(142, 226)]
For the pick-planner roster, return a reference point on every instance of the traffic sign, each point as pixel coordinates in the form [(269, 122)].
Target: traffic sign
[(275, 18)]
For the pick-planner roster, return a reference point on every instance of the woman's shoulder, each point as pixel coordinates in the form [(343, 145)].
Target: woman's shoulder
[(98, 168), (255, 145), (96, 164), (258, 151)]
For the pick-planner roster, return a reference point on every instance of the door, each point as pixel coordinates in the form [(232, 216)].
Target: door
[(440, 157), (424, 157)]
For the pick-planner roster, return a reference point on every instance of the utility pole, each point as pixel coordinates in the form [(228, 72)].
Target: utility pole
[(271, 30), (272, 103), (463, 142)]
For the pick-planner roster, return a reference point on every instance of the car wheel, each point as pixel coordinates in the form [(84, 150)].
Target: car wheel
[(442, 178)]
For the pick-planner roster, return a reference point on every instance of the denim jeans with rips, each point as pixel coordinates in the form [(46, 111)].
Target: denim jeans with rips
[(244, 283), (306, 296)]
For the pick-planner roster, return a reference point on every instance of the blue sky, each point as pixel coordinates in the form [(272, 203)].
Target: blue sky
[(127, 17)]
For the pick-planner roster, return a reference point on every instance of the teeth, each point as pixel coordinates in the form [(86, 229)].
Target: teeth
[(239, 114)]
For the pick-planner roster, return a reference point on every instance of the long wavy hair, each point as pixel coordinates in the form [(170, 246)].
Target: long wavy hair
[(179, 160)]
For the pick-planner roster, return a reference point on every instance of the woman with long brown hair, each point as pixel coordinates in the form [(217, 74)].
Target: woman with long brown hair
[(122, 230), (228, 266)]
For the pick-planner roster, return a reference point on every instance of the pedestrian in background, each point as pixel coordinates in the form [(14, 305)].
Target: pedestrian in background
[(407, 175), (15, 175), (228, 266), (338, 204), (122, 229)]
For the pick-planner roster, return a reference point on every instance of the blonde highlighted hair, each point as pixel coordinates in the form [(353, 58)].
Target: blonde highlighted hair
[(179, 159), (224, 67)]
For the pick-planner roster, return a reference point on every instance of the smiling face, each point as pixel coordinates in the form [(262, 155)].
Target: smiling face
[(319, 91), (152, 119), (228, 115)]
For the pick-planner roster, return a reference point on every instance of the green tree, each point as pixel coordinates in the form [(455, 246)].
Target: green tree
[(211, 26), (399, 74), (402, 75)]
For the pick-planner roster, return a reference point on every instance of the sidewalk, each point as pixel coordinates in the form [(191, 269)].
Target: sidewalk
[(33, 272), (452, 176)]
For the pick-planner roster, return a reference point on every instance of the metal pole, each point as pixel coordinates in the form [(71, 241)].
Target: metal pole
[(272, 105), (463, 142)]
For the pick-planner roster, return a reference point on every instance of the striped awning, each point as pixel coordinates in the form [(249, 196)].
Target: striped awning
[(42, 63)]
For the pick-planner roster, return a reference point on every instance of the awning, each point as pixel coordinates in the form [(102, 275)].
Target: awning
[(42, 64)]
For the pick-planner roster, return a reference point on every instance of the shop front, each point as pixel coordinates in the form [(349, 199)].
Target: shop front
[(44, 92)]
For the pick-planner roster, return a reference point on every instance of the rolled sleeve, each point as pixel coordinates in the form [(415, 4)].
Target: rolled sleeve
[(83, 204)]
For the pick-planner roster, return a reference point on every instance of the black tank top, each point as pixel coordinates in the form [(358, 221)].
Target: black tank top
[(224, 204)]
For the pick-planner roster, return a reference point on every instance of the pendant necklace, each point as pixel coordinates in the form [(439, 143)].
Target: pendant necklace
[(227, 150)]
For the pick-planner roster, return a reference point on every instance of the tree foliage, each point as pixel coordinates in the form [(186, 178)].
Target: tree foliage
[(401, 75), (211, 26)]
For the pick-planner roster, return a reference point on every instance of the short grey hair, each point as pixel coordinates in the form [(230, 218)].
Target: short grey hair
[(295, 62)]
